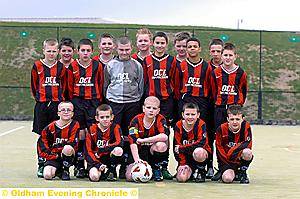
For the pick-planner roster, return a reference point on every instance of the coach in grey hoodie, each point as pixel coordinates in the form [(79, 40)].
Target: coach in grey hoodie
[(123, 89)]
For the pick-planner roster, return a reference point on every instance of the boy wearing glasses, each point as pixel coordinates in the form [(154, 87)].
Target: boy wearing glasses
[(103, 146), (58, 143), (48, 84), (85, 83)]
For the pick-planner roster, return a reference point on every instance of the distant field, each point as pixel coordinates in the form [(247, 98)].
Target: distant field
[(280, 61), (274, 172)]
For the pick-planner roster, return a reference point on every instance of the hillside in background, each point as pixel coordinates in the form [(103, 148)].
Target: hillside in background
[(21, 43)]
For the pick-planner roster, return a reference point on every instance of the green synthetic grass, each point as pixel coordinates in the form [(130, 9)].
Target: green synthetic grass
[(273, 172)]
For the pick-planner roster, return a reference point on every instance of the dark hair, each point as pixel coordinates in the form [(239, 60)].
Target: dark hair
[(194, 39), (161, 34), (191, 106), (104, 107), (181, 36), (216, 41), (66, 42), (85, 42), (229, 46), (234, 109)]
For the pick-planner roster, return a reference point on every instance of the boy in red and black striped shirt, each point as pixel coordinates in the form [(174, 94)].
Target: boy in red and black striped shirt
[(193, 79), (159, 72), (58, 143), (103, 145), (229, 84), (48, 84), (215, 51), (234, 144), (85, 84), (191, 147), (148, 138)]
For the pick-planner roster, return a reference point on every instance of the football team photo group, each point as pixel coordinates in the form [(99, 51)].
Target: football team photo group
[(122, 114)]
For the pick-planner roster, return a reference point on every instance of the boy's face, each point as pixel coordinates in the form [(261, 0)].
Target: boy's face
[(193, 49), (190, 115), (50, 52), (180, 47), (228, 57), (104, 118), (143, 42), (66, 53), (151, 109), (235, 121), (160, 44), (106, 46), (65, 111), (85, 52), (215, 52), (124, 51)]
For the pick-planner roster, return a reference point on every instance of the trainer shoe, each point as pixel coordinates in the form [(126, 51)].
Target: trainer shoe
[(244, 177), (40, 172), (217, 176), (65, 175), (112, 176), (80, 173), (199, 176), (237, 176), (166, 174), (157, 175), (210, 173), (122, 172)]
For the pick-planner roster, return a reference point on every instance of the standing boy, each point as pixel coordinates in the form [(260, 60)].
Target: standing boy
[(48, 85), (191, 147), (123, 89), (159, 72), (103, 145), (58, 143), (215, 51), (106, 47), (229, 84), (143, 44), (85, 82)]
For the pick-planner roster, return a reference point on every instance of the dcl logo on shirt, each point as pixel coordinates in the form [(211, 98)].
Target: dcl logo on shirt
[(160, 74)]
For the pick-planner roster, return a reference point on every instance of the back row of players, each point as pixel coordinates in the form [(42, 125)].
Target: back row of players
[(145, 82)]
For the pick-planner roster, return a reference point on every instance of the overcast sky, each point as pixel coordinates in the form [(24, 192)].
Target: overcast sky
[(251, 14)]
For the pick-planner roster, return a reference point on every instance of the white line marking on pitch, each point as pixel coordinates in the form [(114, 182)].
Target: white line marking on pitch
[(289, 150), (12, 130)]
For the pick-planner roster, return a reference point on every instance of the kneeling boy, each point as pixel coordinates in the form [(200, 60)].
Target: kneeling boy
[(191, 148), (58, 143)]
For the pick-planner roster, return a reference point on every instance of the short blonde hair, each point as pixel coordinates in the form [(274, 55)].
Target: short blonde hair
[(50, 42), (144, 31)]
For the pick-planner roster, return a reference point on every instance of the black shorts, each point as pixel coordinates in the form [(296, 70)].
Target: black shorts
[(104, 159), (124, 113), (167, 109), (44, 114), (85, 111), (58, 163), (144, 153), (220, 115)]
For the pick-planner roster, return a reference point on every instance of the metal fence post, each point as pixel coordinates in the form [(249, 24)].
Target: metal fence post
[(259, 99), (57, 33)]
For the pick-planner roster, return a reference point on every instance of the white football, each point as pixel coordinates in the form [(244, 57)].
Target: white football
[(141, 172)]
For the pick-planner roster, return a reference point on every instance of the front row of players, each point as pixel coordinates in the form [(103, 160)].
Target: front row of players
[(149, 142)]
